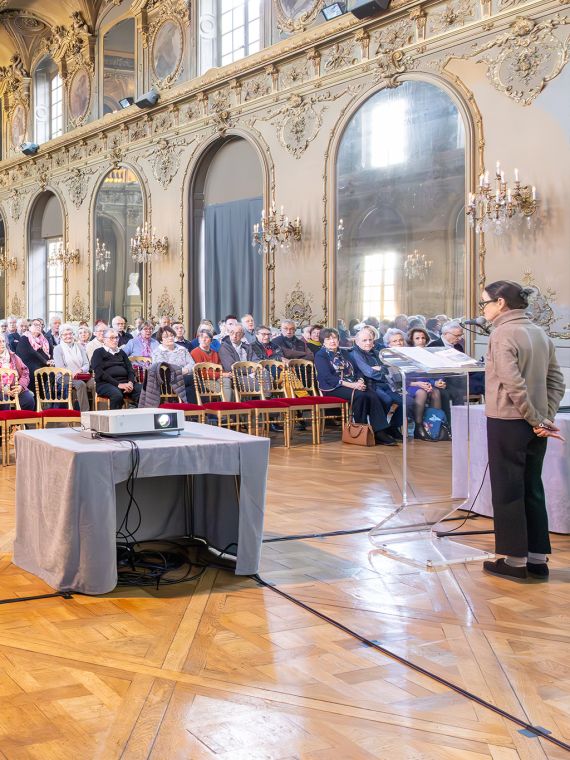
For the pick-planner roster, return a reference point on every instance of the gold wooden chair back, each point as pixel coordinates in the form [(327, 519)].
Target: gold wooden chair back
[(167, 395), (53, 386), (300, 379), (275, 378), (140, 366), (247, 381), (8, 378), (208, 382)]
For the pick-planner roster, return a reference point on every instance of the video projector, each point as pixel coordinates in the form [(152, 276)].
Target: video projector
[(122, 423)]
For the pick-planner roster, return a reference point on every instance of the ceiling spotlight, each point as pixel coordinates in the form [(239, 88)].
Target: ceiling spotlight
[(333, 10), (148, 100), (126, 102), (29, 148)]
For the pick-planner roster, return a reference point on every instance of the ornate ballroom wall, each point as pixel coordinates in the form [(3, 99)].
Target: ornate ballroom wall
[(501, 62)]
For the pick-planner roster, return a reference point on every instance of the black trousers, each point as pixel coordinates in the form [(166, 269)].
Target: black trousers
[(516, 455), (115, 395), (366, 405)]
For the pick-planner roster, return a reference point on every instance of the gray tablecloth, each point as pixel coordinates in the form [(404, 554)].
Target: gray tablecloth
[(71, 496), (555, 473)]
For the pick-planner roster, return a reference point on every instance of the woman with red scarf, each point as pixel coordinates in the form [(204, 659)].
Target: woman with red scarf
[(14, 378), (33, 349)]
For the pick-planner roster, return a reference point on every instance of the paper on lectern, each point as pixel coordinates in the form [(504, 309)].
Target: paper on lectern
[(447, 358)]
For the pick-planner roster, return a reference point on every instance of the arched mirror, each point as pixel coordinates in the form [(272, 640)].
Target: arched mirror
[(118, 279), (400, 233), (45, 237), (3, 273), (227, 198), (118, 64)]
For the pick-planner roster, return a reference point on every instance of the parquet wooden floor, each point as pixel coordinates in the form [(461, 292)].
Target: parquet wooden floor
[(223, 668)]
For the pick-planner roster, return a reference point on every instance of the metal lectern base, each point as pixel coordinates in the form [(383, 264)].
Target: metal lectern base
[(424, 549)]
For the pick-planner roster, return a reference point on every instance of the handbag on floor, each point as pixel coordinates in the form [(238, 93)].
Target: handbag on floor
[(357, 433)]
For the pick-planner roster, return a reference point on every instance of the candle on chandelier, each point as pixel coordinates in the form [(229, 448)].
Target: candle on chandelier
[(533, 193), (498, 166), (502, 176), (486, 177), (516, 175), (481, 180)]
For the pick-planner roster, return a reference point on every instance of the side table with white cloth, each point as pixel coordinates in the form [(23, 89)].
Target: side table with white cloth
[(71, 496), (555, 472)]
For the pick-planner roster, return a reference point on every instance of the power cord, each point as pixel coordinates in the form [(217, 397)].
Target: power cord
[(442, 534)]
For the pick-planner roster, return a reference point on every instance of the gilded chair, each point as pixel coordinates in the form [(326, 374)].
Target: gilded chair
[(54, 385), (13, 417), (210, 394), (252, 384)]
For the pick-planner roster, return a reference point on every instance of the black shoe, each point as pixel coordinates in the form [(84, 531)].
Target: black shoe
[(384, 439), (538, 569), (395, 433), (500, 567), (275, 428), (420, 433), (301, 425)]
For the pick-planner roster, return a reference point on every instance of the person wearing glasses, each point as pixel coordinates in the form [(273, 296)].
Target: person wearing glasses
[(114, 375), (524, 387)]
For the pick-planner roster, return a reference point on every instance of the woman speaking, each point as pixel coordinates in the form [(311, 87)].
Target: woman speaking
[(523, 389)]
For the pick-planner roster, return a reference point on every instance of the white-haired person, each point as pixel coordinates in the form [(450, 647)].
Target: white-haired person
[(114, 374), (420, 390), (97, 341), (70, 354), (14, 378)]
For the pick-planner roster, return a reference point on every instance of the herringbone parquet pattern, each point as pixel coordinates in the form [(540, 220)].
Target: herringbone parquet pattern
[(222, 668)]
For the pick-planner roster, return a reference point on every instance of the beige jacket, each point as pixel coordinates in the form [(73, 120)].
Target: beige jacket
[(522, 376)]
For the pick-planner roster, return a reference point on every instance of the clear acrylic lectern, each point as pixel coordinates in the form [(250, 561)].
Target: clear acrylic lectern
[(407, 532)]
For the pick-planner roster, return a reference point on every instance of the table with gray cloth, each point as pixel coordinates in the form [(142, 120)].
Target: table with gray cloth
[(71, 496), (555, 473)]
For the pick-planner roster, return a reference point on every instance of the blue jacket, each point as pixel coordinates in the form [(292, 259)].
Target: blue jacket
[(364, 361), (328, 376)]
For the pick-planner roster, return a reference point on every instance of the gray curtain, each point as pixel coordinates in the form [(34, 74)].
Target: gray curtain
[(233, 268)]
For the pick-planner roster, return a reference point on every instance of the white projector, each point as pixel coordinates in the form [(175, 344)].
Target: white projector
[(121, 422)]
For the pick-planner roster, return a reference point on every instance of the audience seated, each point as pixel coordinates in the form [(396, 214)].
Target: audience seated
[(338, 377), (264, 348), (97, 341), (179, 332), (234, 349), (52, 334), (114, 375), (71, 355), (452, 336), (205, 324), (143, 344), (168, 352), (291, 346), (137, 324), (164, 321), (248, 324), (3, 326), (14, 378), (33, 350), (12, 333), (225, 324), (367, 361), (204, 351), (83, 336), (313, 341), (119, 324)]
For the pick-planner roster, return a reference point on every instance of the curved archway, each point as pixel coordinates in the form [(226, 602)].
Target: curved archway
[(226, 197), (119, 282), (407, 150), (46, 233)]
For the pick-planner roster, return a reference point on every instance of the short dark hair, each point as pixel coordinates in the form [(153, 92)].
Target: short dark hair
[(162, 331), (327, 332), (516, 297), (416, 329), (230, 316), (262, 327)]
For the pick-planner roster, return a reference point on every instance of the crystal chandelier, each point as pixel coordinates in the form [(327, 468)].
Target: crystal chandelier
[(500, 208), (417, 266), (146, 246), (5, 262), (63, 256), (102, 257), (275, 231)]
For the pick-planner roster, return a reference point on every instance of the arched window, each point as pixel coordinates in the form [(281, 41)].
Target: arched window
[(118, 64), (119, 283), (229, 30), (400, 194), (45, 281), (48, 101)]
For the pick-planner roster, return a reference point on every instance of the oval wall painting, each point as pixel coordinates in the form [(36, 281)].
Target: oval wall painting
[(18, 126), (79, 94), (167, 50)]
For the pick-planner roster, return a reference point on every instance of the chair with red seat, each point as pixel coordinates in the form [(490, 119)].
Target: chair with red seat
[(10, 419), (302, 381), (60, 416), (210, 395), (252, 384)]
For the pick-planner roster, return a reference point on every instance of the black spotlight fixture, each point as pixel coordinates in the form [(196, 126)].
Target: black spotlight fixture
[(126, 102), (366, 8), (148, 100), (333, 10), (29, 148)]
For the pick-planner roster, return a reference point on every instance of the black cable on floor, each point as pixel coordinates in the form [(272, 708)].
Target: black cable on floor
[(536, 731), (327, 534), (12, 600)]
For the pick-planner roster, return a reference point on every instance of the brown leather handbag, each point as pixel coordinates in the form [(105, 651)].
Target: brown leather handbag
[(357, 433)]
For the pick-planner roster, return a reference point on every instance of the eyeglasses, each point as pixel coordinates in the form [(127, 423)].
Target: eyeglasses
[(482, 304), (113, 337)]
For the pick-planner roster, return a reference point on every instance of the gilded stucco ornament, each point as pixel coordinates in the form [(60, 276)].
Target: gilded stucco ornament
[(390, 67), (165, 305), (164, 37), (77, 184), (17, 305), (339, 56), (296, 15), (398, 35), (453, 15), (255, 88), (79, 312), (164, 157), (298, 306), (15, 205), (540, 308), (529, 56)]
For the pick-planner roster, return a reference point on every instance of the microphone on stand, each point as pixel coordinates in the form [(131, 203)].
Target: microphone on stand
[(479, 322)]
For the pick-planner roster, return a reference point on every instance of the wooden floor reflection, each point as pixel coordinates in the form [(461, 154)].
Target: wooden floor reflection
[(222, 668)]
